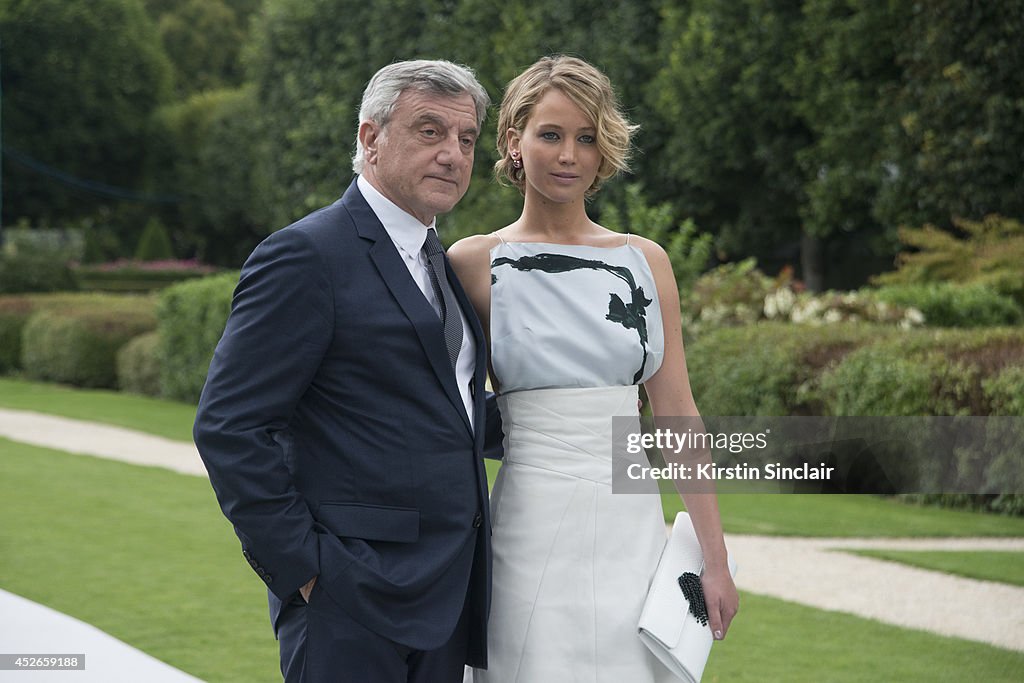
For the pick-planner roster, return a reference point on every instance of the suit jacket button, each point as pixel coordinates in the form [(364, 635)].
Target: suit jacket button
[(267, 578), (478, 519)]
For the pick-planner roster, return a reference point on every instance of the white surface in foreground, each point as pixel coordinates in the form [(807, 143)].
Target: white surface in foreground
[(27, 627)]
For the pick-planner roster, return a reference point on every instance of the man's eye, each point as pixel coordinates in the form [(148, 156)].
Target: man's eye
[(429, 132), (468, 142)]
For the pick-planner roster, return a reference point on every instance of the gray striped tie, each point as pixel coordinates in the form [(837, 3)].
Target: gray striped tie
[(449, 306)]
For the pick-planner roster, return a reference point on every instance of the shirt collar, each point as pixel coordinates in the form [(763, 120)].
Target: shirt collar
[(403, 228)]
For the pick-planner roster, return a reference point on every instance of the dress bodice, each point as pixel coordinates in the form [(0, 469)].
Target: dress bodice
[(573, 316)]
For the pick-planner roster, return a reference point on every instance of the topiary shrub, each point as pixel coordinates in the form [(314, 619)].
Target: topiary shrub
[(138, 365), (155, 243), (192, 317), (945, 304)]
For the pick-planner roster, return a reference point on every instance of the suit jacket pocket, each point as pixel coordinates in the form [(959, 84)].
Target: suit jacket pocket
[(370, 522)]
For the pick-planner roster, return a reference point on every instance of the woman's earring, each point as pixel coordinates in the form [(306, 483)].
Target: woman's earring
[(516, 161)]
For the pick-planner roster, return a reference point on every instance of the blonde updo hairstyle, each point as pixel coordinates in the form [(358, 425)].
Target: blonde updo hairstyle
[(588, 89)]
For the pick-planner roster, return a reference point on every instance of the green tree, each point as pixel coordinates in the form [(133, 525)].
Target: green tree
[(203, 38), (214, 146), (80, 80), (957, 127), (729, 131), (309, 61), (844, 75)]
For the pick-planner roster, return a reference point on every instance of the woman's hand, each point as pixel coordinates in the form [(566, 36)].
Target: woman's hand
[(721, 599)]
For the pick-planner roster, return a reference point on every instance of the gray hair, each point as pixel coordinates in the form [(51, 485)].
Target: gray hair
[(436, 77)]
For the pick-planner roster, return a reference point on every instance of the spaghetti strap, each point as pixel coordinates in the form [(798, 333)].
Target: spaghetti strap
[(499, 237), (627, 239)]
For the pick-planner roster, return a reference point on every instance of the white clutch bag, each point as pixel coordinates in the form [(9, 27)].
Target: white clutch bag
[(667, 625)]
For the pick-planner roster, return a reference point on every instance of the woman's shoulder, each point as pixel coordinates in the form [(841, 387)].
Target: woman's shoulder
[(473, 247)]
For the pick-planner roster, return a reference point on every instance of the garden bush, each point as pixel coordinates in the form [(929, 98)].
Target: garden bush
[(139, 276), (760, 369), (192, 317), (945, 304), (989, 253), (920, 372), (34, 273), (138, 365), (1005, 392), (872, 370), (740, 294), (14, 313), (80, 347), (855, 369)]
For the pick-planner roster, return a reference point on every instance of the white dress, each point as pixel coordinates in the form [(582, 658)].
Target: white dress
[(574, 329)]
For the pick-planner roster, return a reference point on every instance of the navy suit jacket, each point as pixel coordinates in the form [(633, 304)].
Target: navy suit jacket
[(336, 438)]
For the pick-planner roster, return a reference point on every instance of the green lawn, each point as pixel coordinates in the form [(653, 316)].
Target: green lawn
[(145, 555), (142, 553), (170, 419), (776, 641), (773, 514), (987, 565), (850, 516)]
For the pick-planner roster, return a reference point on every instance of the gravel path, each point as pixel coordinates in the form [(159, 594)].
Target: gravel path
[(809, 571)]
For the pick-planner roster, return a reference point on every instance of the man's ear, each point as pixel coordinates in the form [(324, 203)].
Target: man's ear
[(370, 134)]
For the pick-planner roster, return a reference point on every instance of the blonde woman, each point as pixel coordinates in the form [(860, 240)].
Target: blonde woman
[(576, 317)]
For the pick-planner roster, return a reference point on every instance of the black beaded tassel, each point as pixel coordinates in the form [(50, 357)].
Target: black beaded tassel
[(694, 593)]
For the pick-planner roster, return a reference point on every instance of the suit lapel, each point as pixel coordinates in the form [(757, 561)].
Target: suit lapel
[(421, 315)]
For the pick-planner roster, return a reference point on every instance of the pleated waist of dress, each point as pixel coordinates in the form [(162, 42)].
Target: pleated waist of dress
[(573, 431)]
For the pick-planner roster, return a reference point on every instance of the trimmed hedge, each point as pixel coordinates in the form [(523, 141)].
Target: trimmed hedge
[(79, 347), (843, 369), (21, 274), (762, 369), (138, 365), (954, 305), (192, 317), (14, 313), (138, 276), (855, 369)]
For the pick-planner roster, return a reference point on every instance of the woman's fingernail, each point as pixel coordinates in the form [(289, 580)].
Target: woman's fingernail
[(718, 635)]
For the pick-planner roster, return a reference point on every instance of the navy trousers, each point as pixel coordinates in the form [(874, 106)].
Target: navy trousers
[(321, 644)]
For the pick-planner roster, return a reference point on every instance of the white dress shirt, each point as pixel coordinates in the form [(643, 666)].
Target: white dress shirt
[(409, 234)]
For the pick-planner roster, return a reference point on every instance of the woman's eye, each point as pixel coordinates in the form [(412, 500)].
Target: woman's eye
[(550, 135), (588, 139)]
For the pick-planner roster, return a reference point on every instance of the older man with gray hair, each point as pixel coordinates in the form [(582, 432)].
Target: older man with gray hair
[(343, 420)]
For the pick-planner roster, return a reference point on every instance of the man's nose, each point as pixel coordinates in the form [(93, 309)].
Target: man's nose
[(450, 150)]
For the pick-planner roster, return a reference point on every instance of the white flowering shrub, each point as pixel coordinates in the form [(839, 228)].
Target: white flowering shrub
[(740, 294)]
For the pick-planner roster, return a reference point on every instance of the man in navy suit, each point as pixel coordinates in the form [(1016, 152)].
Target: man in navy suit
[(343, 418)]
